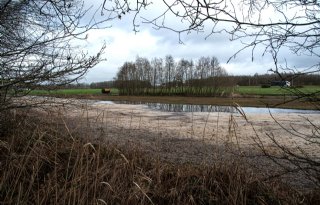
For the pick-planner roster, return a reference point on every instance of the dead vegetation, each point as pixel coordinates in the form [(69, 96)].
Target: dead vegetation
[(45, 161)]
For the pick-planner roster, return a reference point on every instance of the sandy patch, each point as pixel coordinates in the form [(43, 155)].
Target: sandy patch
[(217, 128), (213, 127)]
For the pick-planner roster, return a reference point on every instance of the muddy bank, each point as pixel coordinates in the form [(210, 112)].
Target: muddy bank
[(212, 127), (245, 101)]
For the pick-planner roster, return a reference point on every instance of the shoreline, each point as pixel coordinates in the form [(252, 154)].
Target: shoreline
[(288, 102)]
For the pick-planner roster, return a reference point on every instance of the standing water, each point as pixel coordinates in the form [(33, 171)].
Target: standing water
[(210, 108)]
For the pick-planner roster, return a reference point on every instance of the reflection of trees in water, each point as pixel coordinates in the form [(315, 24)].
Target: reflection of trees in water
[(215, 108), (190, 108)]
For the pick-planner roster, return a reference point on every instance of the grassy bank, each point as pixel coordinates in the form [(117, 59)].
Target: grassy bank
[(275, 90), (67, 92), (45, 161)]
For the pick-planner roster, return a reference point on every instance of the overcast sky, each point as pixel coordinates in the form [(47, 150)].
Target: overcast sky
[(123, 44)]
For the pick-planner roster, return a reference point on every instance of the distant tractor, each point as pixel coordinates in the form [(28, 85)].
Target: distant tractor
[(106, 91)]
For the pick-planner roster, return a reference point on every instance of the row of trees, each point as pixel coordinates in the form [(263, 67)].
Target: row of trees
[(295, 79), (241, 80), (169, 77)]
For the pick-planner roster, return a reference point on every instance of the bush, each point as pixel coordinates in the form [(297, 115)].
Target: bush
[(105, 91), (265, 86)]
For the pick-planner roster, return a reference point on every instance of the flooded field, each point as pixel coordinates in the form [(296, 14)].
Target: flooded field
[(210, 108)]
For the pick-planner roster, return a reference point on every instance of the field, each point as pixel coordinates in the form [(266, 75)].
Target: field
[(254, 96), (85, 91), (242, 90), (274, 90)]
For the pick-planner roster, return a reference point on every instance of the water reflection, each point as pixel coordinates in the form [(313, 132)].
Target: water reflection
[(210, 108), (190, 108), (229, 109)]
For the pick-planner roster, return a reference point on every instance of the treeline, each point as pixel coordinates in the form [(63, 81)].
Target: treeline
[(104, 84), (296, 79), (241, 80), (204, 77)]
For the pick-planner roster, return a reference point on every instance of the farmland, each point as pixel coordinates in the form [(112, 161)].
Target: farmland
[(275, 90), (243, 95), (242, 90), (70, 92)]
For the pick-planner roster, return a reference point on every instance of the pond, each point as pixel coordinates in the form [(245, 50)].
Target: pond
[(210, 108)]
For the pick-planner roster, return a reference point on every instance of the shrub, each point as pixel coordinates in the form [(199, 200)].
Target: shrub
[(265, 86), (105, 91)]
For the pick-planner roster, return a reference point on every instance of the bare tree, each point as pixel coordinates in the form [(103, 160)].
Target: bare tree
[(202, 67), (143, 69), (182, 67), (39, 45), (215, 68), (157, 66), (170, 70)]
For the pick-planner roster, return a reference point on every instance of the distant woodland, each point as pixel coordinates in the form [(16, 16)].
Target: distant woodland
[(204, 76)]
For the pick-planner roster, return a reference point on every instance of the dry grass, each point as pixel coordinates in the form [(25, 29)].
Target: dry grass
[(45, 161)]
